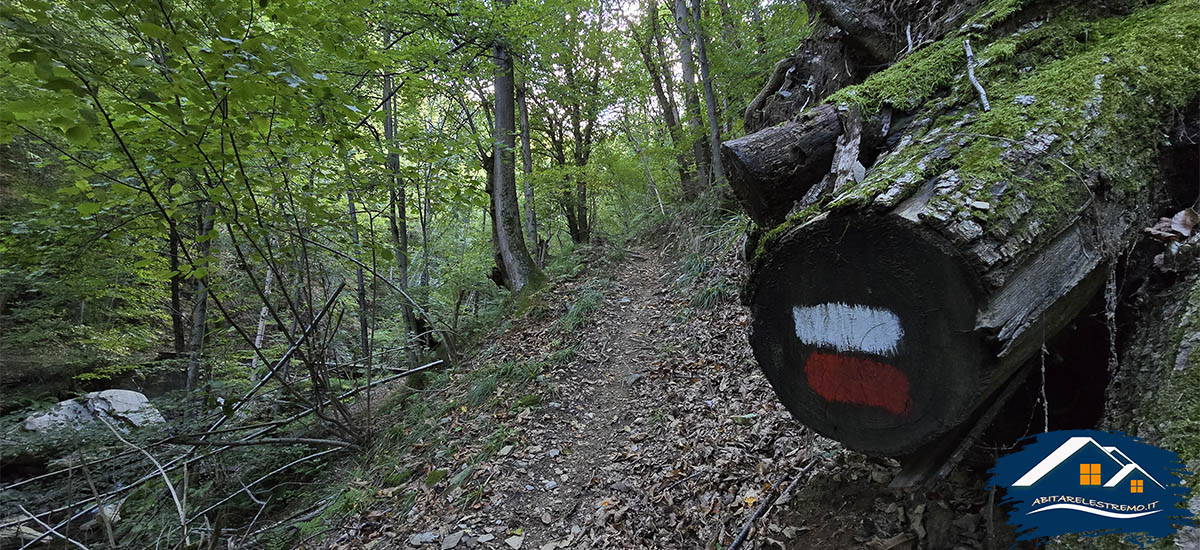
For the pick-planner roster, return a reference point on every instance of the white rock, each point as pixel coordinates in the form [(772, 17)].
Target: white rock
[(130, 406), (120, 407), (66, 413)]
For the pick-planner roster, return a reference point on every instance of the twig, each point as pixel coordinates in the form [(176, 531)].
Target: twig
[(303, 515), (273, 441), (971, 75), (283, 360), (174, 463), (50, 529), (112, 542), (693, 476), (766, 503), (257, 481), (161, 471)]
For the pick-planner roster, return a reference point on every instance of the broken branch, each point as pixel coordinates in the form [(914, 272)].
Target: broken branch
[(971, 75)]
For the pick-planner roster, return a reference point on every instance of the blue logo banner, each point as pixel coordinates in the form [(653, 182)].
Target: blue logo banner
[(1091, 482)]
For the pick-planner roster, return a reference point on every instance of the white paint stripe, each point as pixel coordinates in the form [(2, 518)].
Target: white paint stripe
[(848, 328), (1104, 513)]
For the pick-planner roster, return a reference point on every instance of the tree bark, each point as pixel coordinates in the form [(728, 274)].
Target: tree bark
[(177, 330), (710, 96), (200, 311), (531, 227), (261, 330), (773, 168), (895, 308), (518, 265), (692, 100), (670, 111), (398, 214), (364, 341)]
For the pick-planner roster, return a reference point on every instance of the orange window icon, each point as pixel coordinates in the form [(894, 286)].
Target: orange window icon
[(1089, 474), (1135, 486)]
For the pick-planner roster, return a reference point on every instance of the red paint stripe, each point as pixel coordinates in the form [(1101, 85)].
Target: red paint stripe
[(848, 379)]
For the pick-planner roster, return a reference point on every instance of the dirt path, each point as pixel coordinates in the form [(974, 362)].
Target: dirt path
[(662, 433)]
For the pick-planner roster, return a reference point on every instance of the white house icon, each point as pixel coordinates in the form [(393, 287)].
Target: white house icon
[(1073, 445)]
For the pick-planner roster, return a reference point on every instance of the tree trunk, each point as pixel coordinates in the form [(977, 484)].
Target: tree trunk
[(518, 265), (666, 103), (692, 100), (364, 341), (531, 227), (261, 330), (710, 97), (398, 215), (773, 168), (176, 298), (200, 311)]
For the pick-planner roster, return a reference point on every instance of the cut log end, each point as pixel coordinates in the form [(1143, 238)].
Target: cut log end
[(865, 329)]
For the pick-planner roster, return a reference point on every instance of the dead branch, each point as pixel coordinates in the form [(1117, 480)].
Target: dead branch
[(256, 482), (161, 471), (971, 75), (766, 503), (286, 356), (179, 461), (49, 530), (772, 86), (273, 441)]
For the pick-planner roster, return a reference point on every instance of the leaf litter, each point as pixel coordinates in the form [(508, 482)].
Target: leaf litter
[(661, 432)]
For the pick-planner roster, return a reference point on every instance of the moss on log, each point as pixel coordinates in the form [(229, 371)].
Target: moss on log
[(1028, 203)]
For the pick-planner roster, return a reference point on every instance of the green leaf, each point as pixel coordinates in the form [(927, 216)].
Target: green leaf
[(176, 189), (88, 208), (79, 134)]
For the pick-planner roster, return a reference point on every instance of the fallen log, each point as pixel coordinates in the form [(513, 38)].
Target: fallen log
[(889, 311), (770, 169)]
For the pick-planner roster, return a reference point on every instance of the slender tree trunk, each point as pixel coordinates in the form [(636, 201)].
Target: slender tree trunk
[(398, 213), (665, 102), (177, 330), (641, 153), (517, 263), (426, 219), (760, 35), (364, 341), (200, 312), (710, 97), (691, 98), (665, 66), (262, 323), (531, 228)]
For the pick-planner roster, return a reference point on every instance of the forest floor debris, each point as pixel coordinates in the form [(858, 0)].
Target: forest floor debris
[(659, 432)]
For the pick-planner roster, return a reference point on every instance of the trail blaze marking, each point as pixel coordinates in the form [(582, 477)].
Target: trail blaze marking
[(843, 378), (848, 379), (848, 328)]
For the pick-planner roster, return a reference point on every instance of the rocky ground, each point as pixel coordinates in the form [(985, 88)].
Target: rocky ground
[(661, 432)]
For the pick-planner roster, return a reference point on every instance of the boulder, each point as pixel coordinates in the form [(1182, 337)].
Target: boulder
[(121, 407)]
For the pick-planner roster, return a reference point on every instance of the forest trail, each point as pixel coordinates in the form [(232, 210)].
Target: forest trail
[(661, 432)]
